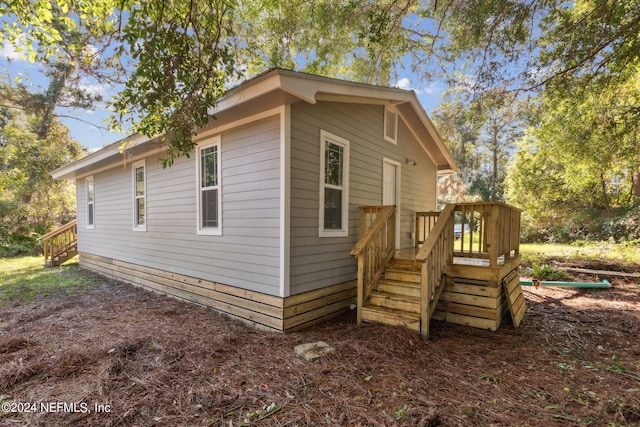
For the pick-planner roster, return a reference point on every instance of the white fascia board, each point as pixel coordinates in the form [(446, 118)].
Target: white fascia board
[(68, 171), (245, 93)]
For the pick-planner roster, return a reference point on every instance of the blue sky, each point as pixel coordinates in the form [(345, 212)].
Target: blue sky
[(88, 127)]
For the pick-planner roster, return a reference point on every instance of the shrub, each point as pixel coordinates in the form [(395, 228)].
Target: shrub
[(16, 234)]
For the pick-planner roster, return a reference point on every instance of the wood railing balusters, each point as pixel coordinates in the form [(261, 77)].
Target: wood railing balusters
[(59, 241), (434, 255), (374, 249), (424, 224)]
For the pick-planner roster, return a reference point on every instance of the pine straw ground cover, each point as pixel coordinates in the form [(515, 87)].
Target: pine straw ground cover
[(151, 360)]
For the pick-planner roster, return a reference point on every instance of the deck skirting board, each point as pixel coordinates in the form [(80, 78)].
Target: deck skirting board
[(472, 302), (254, 308)]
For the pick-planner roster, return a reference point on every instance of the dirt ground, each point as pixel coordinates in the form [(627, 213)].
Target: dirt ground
[(118, 355)]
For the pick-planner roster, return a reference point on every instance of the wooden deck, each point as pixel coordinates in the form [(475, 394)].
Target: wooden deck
[(462, 270)]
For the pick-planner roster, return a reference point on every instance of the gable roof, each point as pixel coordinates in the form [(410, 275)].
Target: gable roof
[(277, 87)]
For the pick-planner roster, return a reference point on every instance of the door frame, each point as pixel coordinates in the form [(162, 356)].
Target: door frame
[(397, 166)]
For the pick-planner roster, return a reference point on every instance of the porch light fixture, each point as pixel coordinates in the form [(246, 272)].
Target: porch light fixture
[(408, 161)]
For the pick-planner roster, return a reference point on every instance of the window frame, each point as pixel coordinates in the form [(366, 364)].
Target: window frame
[(211, 231), (326, 137), (90, 189), (136, 197), (391, 138)]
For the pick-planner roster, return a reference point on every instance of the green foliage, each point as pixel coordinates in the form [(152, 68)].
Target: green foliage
[(358, 40), (481, 136), (184, 59), (31, 202), (16, 236), (544, 272)]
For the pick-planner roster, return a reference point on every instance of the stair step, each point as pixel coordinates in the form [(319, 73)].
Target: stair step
[(390, 316), (393, 273), (395, 301), (405, 264), (399, 287)]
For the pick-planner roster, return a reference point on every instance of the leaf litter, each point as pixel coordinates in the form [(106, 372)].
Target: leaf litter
[(133, 357)]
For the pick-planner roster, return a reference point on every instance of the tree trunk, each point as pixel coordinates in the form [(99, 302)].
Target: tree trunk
[(605, 196), (636, 188)]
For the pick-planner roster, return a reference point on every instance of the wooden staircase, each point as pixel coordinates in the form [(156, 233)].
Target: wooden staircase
[(61, 244), (407, 291), (62, 257), (396, 299)]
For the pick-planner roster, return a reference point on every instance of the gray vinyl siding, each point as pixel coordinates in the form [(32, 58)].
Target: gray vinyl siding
[(418, 184), (247, 253), (319, 262)]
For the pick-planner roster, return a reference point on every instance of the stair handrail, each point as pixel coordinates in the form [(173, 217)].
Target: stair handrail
[(59, 241), (435, 255), (374, 250)]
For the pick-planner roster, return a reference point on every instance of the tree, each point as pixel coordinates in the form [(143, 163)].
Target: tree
[(580, 163), (181, 55), (481, 135), (30, 200)]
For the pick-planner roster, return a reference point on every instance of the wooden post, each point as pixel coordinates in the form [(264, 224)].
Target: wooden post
[(360, 297), (425, 296), (492, 232)]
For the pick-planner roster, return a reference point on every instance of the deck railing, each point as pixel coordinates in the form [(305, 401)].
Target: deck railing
[(435, 254), (425, 221), (375, 248), (59, 241), (486, 230)]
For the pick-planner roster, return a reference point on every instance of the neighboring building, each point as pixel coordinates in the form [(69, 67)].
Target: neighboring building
[(259, 221)]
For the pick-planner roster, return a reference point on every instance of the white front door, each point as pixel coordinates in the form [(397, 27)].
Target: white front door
[(391, 190), (389, 184)]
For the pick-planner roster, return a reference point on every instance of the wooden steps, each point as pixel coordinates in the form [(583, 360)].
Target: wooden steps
[(395, 299), (62, 257), (389, 316)]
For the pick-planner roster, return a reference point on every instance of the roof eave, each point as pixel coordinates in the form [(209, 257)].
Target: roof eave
[(305, 87)]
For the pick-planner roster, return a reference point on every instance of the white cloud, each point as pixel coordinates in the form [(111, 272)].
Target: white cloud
[(404, 83), (434, 88), (9, 52), (94, 89)]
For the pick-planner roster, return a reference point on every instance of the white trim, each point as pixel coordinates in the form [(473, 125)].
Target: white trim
[(398, 203), (91, 225), (334, 139), (213, 231), (135, 166), (391, 138), (285, 202)]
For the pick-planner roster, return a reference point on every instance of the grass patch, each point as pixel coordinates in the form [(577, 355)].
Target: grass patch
[(626, 253), (24, 280)]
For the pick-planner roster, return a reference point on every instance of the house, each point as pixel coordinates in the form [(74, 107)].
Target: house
[(260, 220)]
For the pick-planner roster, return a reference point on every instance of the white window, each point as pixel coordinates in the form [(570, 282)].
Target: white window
[(139, 197), (390, 125), (209, 189), (334, 185), (90, 192)]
